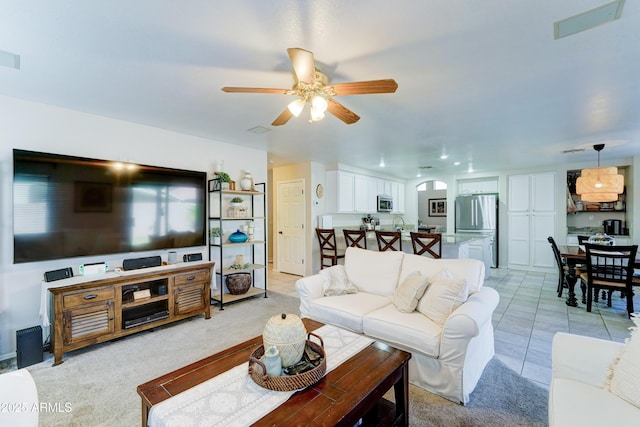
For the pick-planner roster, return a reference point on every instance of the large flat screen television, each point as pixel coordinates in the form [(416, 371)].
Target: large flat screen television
[(65, 206)]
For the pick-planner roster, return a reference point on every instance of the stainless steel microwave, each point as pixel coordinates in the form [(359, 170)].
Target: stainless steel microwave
[(385, 203)]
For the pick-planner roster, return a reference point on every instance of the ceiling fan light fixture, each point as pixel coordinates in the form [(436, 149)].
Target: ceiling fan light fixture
[(601, 184), (296, 106), (319, 104)]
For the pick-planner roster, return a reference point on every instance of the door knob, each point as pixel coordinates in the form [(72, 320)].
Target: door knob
[(279, 232)]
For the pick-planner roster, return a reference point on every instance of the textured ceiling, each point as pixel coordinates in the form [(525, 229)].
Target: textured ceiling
[(481, 81)]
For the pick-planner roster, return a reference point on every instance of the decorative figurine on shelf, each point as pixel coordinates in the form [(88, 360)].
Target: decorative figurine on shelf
[(246, 183)]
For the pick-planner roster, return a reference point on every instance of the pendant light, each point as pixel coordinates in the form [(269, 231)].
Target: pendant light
[(600, 184)]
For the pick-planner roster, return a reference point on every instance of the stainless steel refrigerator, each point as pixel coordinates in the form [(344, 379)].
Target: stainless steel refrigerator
[(478, 214)]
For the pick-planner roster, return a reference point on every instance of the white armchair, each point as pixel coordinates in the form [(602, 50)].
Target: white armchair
[(18, 399), (578, 394)]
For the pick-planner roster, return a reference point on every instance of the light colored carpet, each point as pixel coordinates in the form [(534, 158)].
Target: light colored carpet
[(99, 383)]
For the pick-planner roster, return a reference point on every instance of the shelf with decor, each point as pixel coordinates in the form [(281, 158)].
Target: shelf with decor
[(241, 252)]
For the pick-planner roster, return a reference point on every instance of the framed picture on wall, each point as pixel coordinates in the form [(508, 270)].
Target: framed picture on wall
[(437, 207)]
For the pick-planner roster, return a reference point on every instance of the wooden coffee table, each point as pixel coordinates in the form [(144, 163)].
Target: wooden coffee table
[(352, 391)]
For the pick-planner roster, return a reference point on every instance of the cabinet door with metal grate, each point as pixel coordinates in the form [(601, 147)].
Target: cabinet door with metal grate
[(189, 298), (88, 322)]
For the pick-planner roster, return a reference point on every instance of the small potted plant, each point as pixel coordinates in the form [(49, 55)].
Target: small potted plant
[(224, 179), (237, 201), (215, 235)]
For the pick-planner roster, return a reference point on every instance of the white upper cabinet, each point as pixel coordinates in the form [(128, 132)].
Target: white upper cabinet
[(519, 193), (349, 192)]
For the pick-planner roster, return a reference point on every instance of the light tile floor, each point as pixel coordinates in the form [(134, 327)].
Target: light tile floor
[(528, 316)]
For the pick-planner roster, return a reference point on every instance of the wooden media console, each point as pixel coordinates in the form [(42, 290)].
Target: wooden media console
[(95, 309)]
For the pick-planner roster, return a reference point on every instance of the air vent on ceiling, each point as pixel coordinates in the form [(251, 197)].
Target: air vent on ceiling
[(589, 19), (425, 167), (573, 150), (259, 129)]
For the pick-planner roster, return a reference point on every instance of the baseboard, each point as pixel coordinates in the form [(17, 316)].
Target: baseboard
[(7, 356)]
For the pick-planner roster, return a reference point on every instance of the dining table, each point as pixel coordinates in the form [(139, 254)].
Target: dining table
[(573, 256)]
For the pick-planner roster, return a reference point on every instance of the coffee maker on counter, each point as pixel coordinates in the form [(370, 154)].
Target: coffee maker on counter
[(370, 222), (612, 227)]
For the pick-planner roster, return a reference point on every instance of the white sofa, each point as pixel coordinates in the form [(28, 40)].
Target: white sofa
[(18, 399), (447, 360), (578, 395)]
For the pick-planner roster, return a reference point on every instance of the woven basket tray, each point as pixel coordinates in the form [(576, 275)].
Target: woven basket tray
[(287, 382)]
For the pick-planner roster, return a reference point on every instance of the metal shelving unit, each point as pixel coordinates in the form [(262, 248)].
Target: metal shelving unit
[(254, 251)]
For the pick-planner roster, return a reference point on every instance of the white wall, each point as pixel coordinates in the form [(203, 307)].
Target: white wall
[(40, 127)]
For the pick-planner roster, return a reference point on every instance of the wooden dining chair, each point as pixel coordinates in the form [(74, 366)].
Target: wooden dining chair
[(562, 268), (355, 238), (609, 268), (430, 243), (328, 247), (389, 240)]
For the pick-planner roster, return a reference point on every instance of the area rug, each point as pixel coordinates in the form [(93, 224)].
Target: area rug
[(501, 398), (96, 386)]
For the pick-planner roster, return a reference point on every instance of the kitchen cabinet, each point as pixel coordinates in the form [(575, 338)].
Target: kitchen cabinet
[(530, 220), (349, 192), (478, 186)]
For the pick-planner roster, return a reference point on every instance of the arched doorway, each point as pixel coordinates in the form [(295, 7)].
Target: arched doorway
[(432, 205)]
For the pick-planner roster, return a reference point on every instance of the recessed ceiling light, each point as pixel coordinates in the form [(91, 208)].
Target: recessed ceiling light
[(444, 156), (8, 59), (456, 163), (259, 129), (381, 164), (589, 19)]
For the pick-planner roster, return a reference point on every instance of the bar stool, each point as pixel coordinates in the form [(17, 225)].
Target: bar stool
[(427, 242), (328, 247), (355, 238), (389, 240)]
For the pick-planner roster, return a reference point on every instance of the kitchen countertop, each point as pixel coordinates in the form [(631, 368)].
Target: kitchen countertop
[(447, 239)]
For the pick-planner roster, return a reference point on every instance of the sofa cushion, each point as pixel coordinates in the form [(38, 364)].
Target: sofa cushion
[(411, 331), (443, 296), (472, 270), (574, 403), (346, 311), (373, 272), (625, 371), (410, 291), (336, 282)]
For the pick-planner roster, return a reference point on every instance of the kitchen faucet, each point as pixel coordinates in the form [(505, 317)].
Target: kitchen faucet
[(393, 225)]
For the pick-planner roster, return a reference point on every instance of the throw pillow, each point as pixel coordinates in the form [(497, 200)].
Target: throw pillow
[(410, 291), (335, 281), (625, 371), (442, 297)]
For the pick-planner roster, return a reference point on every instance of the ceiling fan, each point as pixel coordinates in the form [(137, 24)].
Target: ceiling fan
[(312, 87)]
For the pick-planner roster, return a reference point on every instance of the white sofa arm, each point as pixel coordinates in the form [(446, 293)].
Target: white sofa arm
[(465, 323), (308, 288), (19, 399), (583, 359)]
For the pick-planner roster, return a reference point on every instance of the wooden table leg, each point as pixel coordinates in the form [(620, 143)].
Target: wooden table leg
[(571, 282), (401, 390)]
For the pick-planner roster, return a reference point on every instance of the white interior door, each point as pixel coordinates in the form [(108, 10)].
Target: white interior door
[(291, 236)]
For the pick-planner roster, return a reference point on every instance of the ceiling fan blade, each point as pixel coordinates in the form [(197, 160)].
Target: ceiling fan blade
[(282, 118), (303, 64), (358, 88), (253, 90), (342, 112)]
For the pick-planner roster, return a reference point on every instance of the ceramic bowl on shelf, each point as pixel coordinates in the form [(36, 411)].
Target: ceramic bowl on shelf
[(238, 237)]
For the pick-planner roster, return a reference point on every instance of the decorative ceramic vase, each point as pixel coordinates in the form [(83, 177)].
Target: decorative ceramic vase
[(238, 284), (215, 240), (246, 183), (272, 361), (238, 237), (287, 333)]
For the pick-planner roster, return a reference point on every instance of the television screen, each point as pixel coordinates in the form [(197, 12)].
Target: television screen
[(66, 206)]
